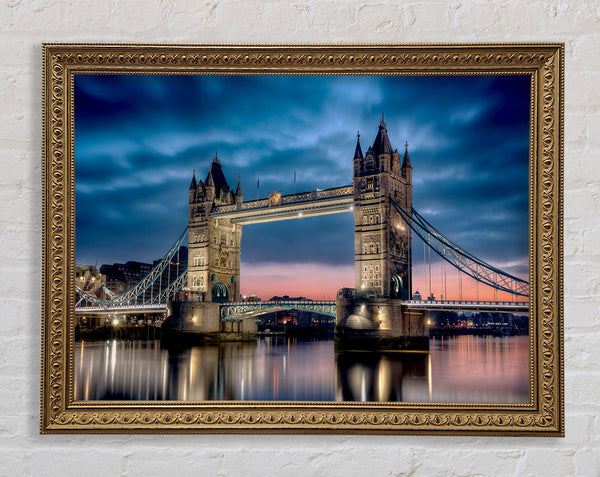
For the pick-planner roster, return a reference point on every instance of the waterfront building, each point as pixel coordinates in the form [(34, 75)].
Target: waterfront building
[(120, 277)]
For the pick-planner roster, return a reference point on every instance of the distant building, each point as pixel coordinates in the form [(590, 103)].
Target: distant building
[(120, 277), (288, 298), (417, 296), (89, 279), (250, 298)]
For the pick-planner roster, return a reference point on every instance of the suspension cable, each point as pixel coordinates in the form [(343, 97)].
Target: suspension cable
[(459, 258)]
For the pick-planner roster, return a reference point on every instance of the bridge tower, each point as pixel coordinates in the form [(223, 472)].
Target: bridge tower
[(382, 241), (214, 244)]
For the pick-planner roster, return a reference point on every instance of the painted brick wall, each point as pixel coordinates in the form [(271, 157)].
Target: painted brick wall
[(27, 23)]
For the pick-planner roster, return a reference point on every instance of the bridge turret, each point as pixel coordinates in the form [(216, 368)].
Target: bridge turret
[(210, 186), (193, 187), (406, 166), (239, 196), (358, 157)]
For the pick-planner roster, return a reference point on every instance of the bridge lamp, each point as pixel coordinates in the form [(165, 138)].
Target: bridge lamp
[(115, 322), (195, 320), (351, 207), (428, 321), (299, 214)]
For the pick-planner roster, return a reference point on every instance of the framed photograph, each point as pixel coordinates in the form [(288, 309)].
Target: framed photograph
[(302, 239)]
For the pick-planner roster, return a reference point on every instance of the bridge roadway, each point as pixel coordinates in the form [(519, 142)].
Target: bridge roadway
[(323, 307), (329, 307), (109, 309), (473, 306), (294, 206)]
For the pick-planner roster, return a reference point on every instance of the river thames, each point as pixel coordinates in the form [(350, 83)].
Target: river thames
[(456, 369)]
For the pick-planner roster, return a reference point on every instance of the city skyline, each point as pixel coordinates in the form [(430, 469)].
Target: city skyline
[(138, 138)]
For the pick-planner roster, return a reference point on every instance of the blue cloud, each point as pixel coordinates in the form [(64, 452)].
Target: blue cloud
[(137, 138)]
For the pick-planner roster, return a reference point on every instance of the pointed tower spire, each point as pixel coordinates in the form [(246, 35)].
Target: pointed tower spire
[(239, 196), (382, 143), (406, 161), (209, 180), (193, 185), (358, 151)]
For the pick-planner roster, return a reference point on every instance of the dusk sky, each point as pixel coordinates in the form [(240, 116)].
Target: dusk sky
[(138, 138)]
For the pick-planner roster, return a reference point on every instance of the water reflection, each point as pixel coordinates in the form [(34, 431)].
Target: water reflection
[(457, 369), (373, 376)]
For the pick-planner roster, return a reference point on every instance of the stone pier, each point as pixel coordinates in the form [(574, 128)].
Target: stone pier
[(364, 322), (190, 320)]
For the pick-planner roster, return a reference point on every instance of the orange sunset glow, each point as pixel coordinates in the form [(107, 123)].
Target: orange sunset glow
[(321, 282), (310, 280)]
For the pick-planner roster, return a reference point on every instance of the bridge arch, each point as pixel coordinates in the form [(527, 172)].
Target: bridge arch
[(220, 293), (397, 286), (327, 308)]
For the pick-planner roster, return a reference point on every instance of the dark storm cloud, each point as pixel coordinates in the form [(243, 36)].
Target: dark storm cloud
[(138, 138)]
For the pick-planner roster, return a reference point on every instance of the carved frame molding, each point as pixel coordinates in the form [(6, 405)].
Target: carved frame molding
[(542, 416)]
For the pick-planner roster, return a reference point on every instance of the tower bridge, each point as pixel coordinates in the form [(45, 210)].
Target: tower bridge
[(385, 222)]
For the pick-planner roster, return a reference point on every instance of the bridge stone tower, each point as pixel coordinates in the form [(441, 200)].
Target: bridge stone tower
[(382, 241), (214, 244)]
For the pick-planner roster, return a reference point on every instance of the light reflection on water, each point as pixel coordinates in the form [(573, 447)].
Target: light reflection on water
[(457, 369)]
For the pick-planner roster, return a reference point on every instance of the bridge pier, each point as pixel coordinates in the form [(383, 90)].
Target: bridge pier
[(363, 323), (190, 320)]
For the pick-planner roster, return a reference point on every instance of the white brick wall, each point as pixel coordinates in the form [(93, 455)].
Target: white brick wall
[(28, 23)]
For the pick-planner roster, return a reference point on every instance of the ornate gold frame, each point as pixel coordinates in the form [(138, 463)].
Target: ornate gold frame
[(542, 416)]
